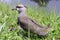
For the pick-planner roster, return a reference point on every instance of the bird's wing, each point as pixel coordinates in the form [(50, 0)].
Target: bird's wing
[(34, 22), (27, 20)]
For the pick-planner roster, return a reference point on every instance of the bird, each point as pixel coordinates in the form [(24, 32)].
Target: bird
[(27, 23)]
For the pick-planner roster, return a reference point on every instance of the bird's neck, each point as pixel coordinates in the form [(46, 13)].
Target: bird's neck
[(22, 13)]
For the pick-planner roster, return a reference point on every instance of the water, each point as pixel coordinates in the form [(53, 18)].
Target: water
[(48, 4), (54, 4)]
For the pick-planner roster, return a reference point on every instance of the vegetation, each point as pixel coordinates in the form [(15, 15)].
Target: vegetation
[(9, 29)]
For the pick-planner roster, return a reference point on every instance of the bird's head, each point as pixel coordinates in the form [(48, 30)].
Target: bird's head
[(20, 8)]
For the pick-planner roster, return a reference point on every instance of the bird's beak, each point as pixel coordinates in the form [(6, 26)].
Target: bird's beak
[(14, 9)]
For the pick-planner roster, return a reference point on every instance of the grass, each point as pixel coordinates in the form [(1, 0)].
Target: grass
[(9, 29)]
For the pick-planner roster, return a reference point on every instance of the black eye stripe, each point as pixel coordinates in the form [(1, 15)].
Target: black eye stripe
[(18, 7)]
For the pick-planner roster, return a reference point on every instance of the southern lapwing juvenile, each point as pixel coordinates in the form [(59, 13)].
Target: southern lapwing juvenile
[(27, 23)]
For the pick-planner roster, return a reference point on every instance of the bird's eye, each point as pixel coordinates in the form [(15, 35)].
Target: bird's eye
[(18, 7)]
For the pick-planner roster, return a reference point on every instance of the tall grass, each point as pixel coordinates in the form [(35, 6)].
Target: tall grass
[(9, 29)]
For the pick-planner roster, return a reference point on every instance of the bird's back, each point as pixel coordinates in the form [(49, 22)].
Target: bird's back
[(27, 23)]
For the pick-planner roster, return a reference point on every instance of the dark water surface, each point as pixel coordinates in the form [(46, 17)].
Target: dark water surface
[(49, 4)]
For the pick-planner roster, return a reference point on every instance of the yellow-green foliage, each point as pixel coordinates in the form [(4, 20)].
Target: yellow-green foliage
[(9, 28)]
